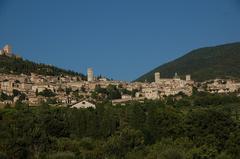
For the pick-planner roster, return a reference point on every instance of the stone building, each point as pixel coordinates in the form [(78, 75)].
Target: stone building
[(188, 77), (151, 93), (90, 76), (157, 76), (7, 50), (7, 86)]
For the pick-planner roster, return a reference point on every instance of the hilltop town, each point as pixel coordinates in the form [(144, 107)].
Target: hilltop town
[(72, 89)]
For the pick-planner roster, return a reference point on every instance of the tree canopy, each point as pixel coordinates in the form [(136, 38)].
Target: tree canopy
[(149, 130)]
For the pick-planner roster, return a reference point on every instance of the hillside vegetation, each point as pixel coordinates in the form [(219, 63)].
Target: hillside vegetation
[(203, 126), (12, 65), (205, 63)]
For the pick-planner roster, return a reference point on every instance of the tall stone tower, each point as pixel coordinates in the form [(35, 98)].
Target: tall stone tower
[(90, 76), (188, 77), (157, 76), (7, 49)]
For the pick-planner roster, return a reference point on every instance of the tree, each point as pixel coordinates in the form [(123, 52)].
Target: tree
[(4, 96), (211, 127), (136, 116), (47, 93), (56, 122), (68, 90), (113, 92), (233, 145), (123, 142), (164, 122)]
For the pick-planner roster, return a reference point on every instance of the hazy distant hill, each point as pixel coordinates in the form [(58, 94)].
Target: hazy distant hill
[(13, 65), (221, 61)]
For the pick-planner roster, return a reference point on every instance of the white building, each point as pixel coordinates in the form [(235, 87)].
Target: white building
[(126, 96), (83, 104)]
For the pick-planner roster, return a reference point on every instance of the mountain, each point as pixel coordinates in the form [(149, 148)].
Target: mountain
[(221, 61), (15, 65)]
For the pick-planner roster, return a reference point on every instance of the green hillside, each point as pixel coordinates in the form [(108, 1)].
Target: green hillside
[(205, 63), (13, 65)]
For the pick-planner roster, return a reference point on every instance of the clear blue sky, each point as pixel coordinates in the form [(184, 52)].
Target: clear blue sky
[(121, 39)]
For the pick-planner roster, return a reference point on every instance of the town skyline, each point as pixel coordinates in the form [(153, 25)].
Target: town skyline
[(32, 83), (119, 79), (121, 40)]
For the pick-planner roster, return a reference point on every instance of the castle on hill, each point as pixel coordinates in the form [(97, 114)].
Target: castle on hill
[(7, 51)]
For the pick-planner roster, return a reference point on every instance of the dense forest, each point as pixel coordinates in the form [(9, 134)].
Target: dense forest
[(205, 63), (203, 126), (13, 65)]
